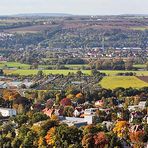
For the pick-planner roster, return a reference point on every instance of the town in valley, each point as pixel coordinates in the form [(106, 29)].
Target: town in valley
[(76, 81)]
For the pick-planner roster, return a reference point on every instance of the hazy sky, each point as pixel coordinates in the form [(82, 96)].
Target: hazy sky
[(90, 7)]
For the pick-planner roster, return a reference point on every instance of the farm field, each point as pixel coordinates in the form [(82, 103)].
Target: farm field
[(65, 72), (76, 65), (30, 29), (27, 66), (142, 28), (143, 78), (114, 72), (112, 82), (18, 65), (24, 69), (14, 65), (46, 72), (140, 66)]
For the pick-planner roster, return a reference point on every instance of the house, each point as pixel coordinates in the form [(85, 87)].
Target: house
[(132, 107), (141, 104), (48, 112), (14, 84), (73, 121), (76, 121), (136, 115), (108, 124), (3, 85), (99, 103), (90, 111), (90, 119), (78, 111), (7, 112)]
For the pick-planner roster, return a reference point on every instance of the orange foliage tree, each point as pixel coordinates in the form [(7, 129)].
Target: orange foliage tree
[(136, 136), (9, 95), (51, 137), (100, 140)]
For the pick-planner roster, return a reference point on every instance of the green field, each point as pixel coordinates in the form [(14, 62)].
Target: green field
[(65, 72), (27, 66), (18, 65), (114, 72), (14, 65), (112, 82), (34, 72), (140, 66), (24, 69)]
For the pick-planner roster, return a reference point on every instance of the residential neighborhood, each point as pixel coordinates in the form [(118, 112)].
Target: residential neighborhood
[(73, 74)]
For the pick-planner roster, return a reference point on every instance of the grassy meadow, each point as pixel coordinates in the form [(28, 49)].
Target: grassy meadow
[(112, 82), (24, 69), (114, 72), (65, 72), (46, 72), (140, 66), (14, 65)]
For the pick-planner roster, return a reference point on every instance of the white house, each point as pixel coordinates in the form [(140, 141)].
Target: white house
[(141, 104), (3, 84), (7, 112)]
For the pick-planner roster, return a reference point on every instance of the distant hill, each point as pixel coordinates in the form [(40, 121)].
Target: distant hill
[(42, 15), (142, 15)]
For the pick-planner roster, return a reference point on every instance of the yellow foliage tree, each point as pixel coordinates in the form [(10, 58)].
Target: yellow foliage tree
[(40, 141), (54, 117), (70, 96), (36, 128), (121, 129), (10, 95)]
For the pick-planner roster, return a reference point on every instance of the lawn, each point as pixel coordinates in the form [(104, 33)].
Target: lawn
[(112, 82)]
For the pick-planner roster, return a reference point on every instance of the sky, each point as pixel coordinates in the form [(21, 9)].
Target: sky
[(80, 7)]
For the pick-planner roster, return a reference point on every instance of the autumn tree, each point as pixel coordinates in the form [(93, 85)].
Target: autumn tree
[(65, 102), (121, 129), (136, 135), (51, 137), (100, 140), (88, 141), (9, 96)]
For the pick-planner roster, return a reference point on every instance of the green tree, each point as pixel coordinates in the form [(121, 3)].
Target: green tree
[(29, 140), (68, 136), (40, 73), (21, 119), (38, 116), (68, 111)]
